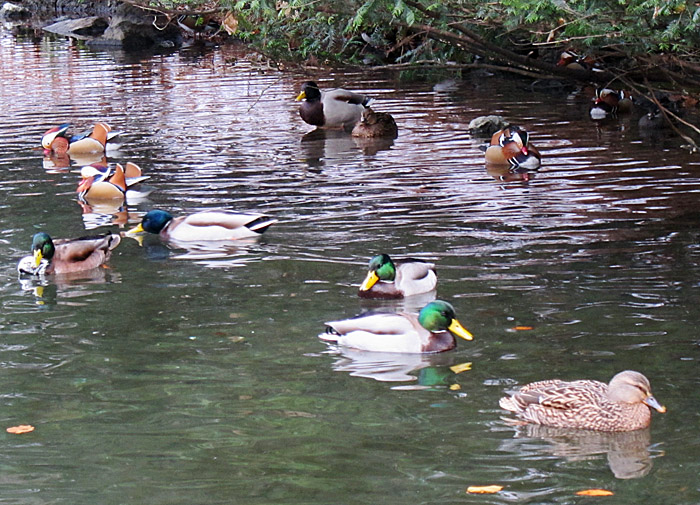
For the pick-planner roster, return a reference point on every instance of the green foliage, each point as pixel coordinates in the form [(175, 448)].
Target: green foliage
[(337, 30)]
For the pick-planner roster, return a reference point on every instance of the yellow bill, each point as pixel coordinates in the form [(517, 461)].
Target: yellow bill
[(369, 281), (37, 258), (301, 96), (456, 328), (135, 229)]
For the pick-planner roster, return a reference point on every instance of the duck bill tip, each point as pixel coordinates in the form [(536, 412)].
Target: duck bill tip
[(301, 96), (135, 230), (456, 328)]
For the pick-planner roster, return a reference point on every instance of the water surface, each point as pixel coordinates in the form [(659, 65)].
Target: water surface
[(174, 376)]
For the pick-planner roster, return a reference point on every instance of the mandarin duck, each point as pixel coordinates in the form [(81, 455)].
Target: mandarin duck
[(397, 279), (432, 330), (56, 140), (336, 108), (609, 102), (511, 146), (621, 405), (67, 255)]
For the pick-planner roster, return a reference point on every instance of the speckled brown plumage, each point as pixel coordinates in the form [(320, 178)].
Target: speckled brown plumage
[(621, 405)]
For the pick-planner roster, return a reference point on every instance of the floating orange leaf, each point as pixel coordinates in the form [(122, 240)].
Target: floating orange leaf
[(494, 488), (523, 328), (595, 492), (22, 428), (462, 367)]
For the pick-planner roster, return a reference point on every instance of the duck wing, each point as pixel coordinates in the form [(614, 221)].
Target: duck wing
[(380, 333), (84, 253), (556, 394), (415, 277), (342, 95), (219, 225)]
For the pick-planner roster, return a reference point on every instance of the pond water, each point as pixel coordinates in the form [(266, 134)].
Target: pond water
[(176, 376)]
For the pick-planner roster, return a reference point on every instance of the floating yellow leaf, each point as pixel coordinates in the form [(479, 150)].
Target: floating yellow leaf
[(22, 428), (595, 492), (495, 488), (462, 367), (455, 387)]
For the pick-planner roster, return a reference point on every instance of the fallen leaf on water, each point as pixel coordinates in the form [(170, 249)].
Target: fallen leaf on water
[(595, 492), (523, 328), (455, 387), (462, 367), (495, 488), (22, 428)]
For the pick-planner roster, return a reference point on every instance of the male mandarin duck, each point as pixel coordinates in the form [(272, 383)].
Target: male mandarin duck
[(336, 108), (94, 186), (397, 279), (511, 146), (621, 405), (609, 102), (206, 226), (56, 140), (67, 255), (432, 330), (570, 59), (375, 124)]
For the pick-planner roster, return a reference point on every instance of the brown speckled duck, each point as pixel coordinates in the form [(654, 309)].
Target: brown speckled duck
[(621, 405), (376, 125)]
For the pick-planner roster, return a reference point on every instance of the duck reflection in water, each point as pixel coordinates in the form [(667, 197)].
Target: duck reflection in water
[(319, 146), (68, 286), (428, 370), (506, 174), (627, 452)]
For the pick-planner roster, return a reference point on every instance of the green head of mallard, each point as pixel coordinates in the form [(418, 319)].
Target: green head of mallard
[(310, 91), (440, 316), (42, 248), (381, 268), (153, 222)]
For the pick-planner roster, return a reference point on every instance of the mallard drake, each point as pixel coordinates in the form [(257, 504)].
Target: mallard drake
[(335, 108), (432, 330), (609, 102), (621, 405), (389, 279), (511, 146), (207, 226), (67, 255), (375, 124)]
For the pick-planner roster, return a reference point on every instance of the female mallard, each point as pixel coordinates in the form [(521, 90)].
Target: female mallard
[(375, 125), (622, 405), (210, 225), (511, 146), (389, 279), (336, 108), (67, 255), (433, 330)]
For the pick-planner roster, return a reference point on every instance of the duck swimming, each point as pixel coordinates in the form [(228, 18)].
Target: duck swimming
[(511, 146), (210, 225), (622, 405), (609, 102), (432, 330), (67, 255), (397, 279), (376, 124), (335, 108), (56, 141)]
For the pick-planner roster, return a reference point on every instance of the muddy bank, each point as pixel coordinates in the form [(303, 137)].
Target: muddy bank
[(99, 23)]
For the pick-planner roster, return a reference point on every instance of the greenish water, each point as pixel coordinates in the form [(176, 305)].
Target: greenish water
[(177, 377)]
